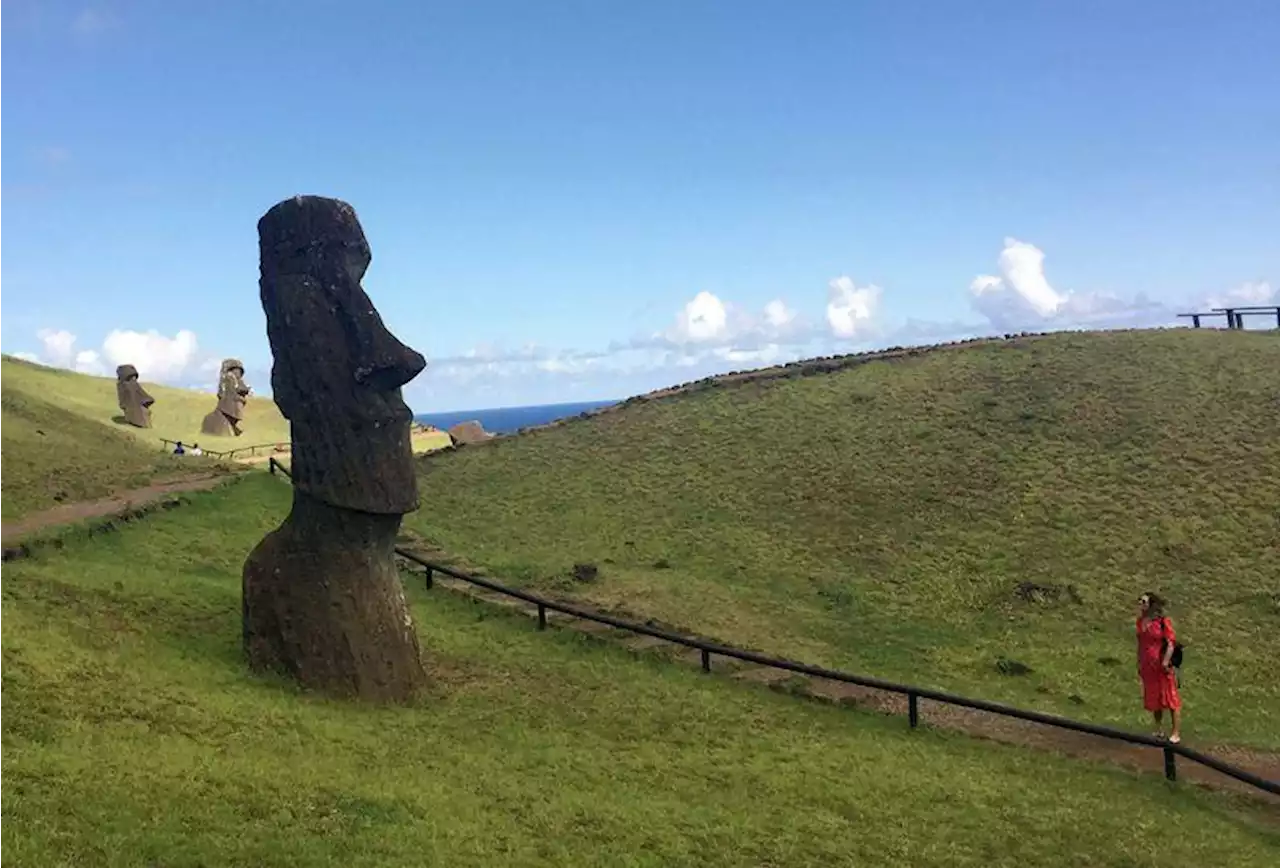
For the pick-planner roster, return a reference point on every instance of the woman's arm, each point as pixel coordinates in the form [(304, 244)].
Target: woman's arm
[(1169, 638)]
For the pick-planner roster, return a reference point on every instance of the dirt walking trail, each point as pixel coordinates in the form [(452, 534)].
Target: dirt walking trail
[(121, 503), (971, 722)]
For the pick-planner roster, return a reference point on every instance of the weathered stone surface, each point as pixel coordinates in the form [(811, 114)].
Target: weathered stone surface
[(322, 597), (233, 393), (468, 432), (134, 401)]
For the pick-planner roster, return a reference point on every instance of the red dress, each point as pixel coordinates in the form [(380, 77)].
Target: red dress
[(1159, 686)]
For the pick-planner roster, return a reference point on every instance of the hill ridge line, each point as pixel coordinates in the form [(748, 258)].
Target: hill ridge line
[(814, 366)]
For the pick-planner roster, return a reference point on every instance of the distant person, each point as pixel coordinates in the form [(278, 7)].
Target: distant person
[(196, 450), (178, 450), (1155, 665)]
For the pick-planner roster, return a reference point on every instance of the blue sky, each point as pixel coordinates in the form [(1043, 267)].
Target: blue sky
[(579, 200)]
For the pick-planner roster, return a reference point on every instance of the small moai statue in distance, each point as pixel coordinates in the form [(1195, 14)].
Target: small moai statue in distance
[(134, 401), (323, 602), (233, 393)]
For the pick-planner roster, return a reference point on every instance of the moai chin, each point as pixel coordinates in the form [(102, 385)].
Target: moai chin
[(134, 401), (233, 394), (323, 601)]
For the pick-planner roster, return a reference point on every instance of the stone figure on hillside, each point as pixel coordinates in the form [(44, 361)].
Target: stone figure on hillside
[(134, 401), (323, 600), (233, 393)]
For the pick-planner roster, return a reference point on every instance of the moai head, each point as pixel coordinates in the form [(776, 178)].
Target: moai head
[(133, 399), (337, 370), (233, 392)]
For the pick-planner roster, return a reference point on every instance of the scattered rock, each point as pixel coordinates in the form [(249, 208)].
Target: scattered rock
[(1076, 698), (662, 564), (586, 572), (1005, 666), (1109, 661), (468, 432)]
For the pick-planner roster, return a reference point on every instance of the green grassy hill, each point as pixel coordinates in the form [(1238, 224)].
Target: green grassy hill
[(176, 415), (134, 735), (52, 456), (921, 518), (67, 396)]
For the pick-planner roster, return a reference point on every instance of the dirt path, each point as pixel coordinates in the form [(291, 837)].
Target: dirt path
[(123, 502), (978, 724)]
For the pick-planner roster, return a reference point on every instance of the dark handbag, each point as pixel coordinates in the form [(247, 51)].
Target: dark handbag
[(1175, 659)]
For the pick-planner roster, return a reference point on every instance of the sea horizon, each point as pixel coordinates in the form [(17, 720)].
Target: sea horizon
[(508, 420)]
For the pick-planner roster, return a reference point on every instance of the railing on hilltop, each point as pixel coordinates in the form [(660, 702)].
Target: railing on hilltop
[(1235, 315), (912, 693), (166, 445)]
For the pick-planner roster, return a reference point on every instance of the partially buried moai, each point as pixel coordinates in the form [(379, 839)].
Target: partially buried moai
[(233, 394), (134, 401), (323, 601)]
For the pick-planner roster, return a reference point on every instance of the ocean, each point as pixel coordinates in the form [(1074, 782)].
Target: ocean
[(508, 420)]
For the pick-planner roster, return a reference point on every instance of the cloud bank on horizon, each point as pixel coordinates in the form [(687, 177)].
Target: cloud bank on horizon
[(708, 334)]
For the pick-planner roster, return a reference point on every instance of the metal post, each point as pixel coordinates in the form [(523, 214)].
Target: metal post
[(542, 616), (431, 578), (706, 660), (913, 709), (1170, 763), (271, 465), (1195, 321)]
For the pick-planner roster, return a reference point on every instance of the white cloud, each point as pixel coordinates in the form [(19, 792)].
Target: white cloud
[(27, 357), (59, 346), (777, 315), (1246, 294), (1022, 297), (155, 356), (89, 362), (850, 309), (704, 318), (1023, 294)]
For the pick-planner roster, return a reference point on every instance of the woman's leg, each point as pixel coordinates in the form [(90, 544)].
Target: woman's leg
[(1159, 719), (1176, 733)]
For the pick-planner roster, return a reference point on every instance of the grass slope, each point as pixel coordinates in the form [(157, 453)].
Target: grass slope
[(51, 456), (882, 518), (176, 415), (134, 736)]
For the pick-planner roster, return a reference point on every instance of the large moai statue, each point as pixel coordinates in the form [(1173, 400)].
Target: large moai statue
[(233, 393), (323, 601), (134, 401)]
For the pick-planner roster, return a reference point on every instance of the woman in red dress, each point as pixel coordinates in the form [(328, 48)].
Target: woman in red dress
[(1159, 680)]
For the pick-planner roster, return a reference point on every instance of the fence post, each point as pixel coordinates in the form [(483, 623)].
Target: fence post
[(542, 616), (1170, 763), (913, 710), (431, 573), (271, 465), (1195, 320), (706, 660)]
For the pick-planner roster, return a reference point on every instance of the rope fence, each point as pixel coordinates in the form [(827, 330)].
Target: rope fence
[(166, 445)]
